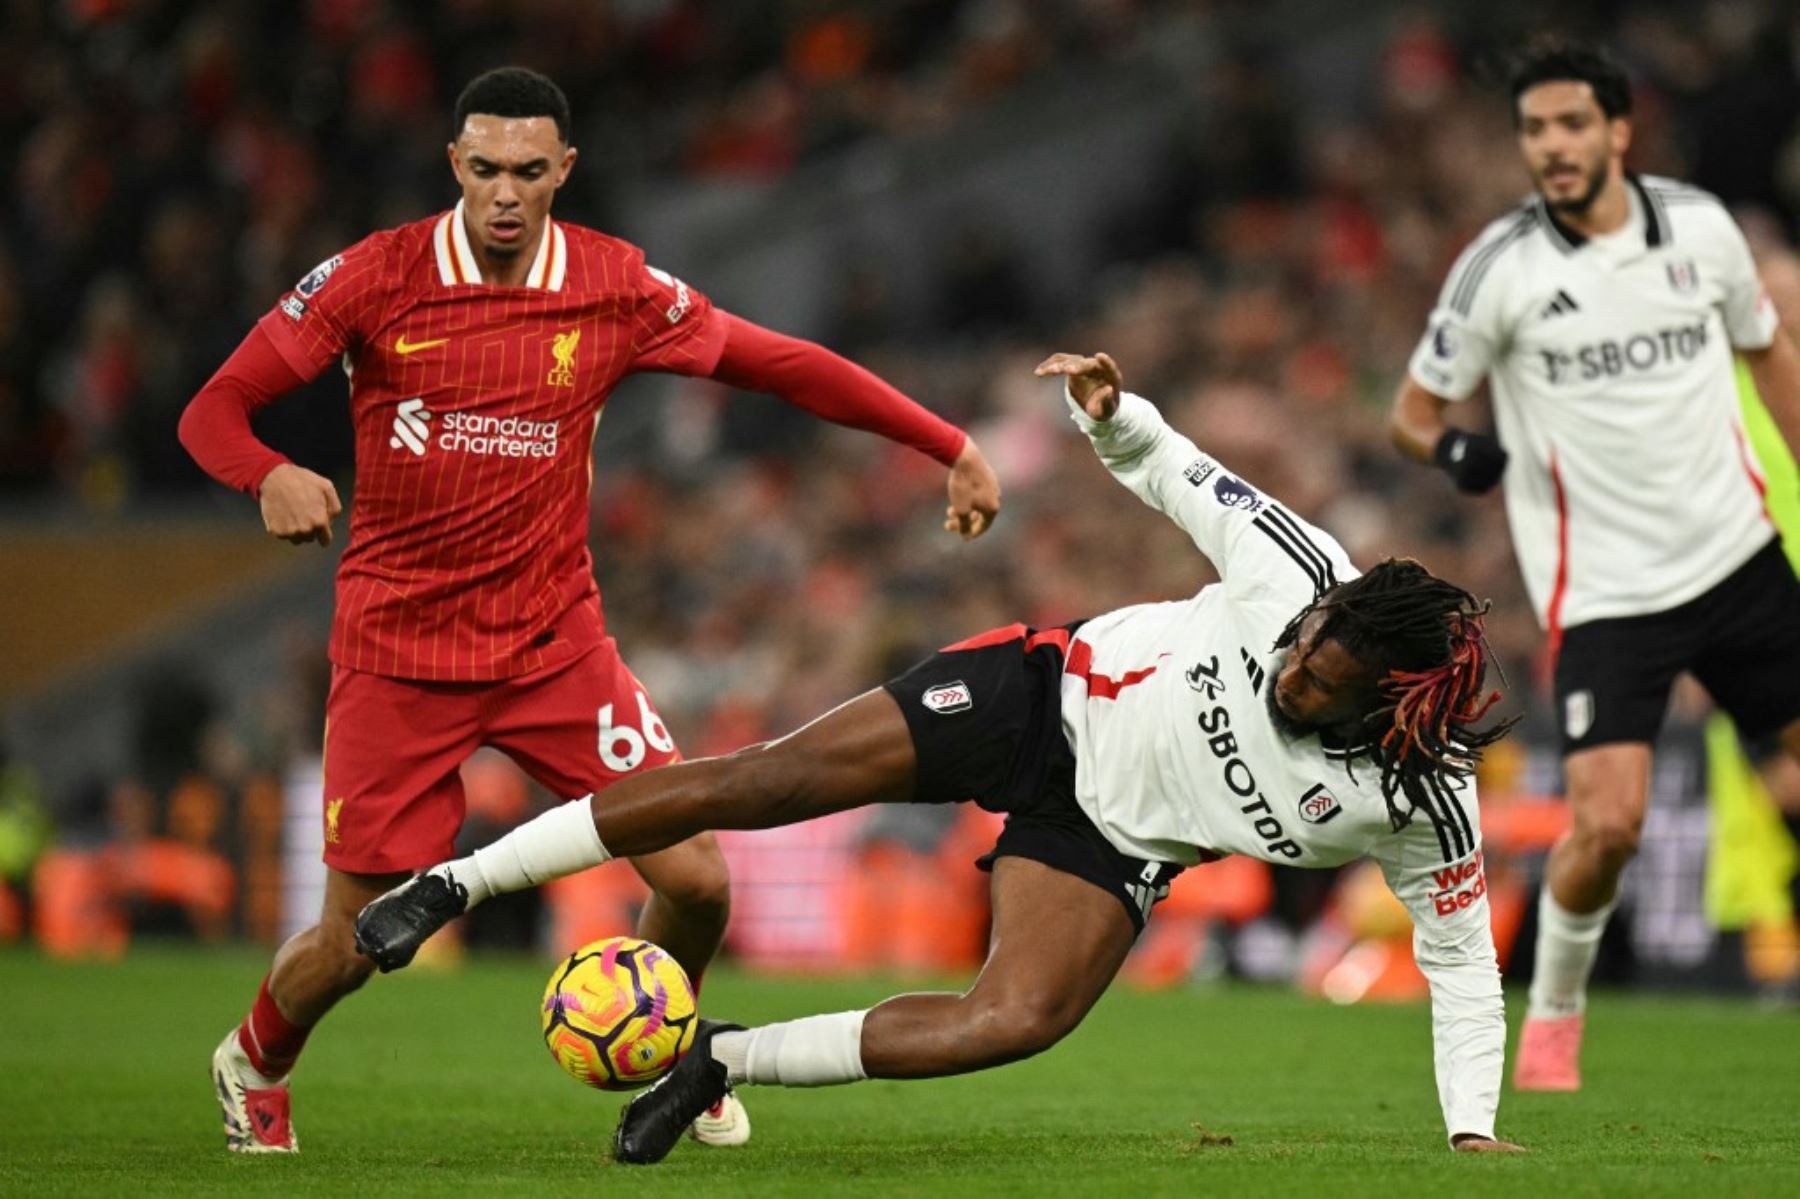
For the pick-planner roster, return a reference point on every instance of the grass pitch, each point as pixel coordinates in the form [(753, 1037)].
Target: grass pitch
[(438, 1083)]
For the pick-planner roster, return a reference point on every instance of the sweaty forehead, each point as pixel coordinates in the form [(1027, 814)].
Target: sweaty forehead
[(510, 141)]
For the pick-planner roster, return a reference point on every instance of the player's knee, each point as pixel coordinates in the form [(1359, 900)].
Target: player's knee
[(1611, 833), (702, 888), (1020, 1026)]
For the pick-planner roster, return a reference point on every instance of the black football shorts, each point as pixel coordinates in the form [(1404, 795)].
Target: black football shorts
[(986, 722), (1741, 640)]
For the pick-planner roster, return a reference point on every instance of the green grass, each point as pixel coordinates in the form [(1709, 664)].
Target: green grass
[(427, 1083)]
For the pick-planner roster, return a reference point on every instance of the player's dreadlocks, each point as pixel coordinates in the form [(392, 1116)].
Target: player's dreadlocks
[(1423, 638)]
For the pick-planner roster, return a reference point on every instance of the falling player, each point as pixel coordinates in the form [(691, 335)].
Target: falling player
[(1296, 712), (1603, 312), (481, 344)]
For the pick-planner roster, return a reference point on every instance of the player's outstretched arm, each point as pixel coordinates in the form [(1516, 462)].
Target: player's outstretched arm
[(810, 376), (1434, 866), (1150, 459), (1095, 383), (297, 505)]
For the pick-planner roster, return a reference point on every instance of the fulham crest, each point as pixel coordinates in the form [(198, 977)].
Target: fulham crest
[(948, 697)]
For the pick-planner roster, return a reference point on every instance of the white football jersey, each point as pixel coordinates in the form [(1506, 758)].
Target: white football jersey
[(1178, 757), (1631, 488)]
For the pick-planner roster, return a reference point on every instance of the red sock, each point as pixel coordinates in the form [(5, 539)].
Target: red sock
[(270, 1040)]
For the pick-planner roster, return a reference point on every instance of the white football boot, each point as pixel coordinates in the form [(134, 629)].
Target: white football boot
[(724, 1123), (256, 1118)]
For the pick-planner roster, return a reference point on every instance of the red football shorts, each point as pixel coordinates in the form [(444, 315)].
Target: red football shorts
[(393, 749)]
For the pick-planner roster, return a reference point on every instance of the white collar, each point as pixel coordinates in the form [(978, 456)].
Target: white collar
[(456, 257)]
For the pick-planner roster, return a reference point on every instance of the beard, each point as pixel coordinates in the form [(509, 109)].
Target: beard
[(1582, 200), (1286, 725)]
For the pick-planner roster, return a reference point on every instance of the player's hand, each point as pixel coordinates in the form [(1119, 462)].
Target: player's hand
[(974, 494), (1468, 1142), (1474, 460), (1095, 382), (297, 505)]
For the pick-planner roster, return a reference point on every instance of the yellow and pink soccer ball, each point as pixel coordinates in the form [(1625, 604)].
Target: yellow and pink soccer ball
[(618, 1014)]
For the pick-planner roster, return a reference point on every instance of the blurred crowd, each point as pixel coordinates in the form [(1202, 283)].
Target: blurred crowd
[(172, 168)]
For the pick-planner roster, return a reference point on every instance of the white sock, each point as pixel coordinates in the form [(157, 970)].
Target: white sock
[(1567, 943), (816, 1051), (562, 841)]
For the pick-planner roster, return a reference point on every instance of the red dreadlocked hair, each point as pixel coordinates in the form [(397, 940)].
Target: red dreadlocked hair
[(1423, 636)]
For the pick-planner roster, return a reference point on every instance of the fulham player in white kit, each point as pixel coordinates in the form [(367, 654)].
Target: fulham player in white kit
[(1298, 712), (1603, 314)]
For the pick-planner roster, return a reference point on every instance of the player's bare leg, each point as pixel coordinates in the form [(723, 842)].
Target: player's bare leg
[(1608, 789), (314, 970), (859, 753), (690, 902), (1057, 943)]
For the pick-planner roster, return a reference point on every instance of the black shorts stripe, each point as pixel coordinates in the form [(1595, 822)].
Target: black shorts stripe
[(1462, 297), (1282, 517)]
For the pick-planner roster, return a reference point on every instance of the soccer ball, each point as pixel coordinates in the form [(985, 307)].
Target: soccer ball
[(618, 1014)]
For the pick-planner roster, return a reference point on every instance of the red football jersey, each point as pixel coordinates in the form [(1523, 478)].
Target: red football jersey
[(474, 408)]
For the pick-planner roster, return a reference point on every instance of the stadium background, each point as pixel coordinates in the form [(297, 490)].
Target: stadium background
[(1250, 205)]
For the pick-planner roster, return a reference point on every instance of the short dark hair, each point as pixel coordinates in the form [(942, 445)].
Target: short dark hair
[(513, 92), (1554, 60), (1422, 637)]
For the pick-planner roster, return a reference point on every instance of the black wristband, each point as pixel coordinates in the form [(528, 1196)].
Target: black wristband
[(1474, 460)]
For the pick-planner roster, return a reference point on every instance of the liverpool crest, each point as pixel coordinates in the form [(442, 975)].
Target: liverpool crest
[(562, 348)]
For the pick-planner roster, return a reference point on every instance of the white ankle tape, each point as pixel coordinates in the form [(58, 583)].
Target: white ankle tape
[(817, 1051), (560, 842)]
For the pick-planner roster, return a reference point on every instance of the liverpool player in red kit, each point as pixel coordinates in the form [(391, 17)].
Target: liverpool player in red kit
[(481, 344)]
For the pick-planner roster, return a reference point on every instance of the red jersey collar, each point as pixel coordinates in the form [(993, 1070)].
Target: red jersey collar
[(456, 257)]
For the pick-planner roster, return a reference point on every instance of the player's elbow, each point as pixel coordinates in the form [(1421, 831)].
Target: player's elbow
[(1021, 1026), (188, 428), (1416, 421)]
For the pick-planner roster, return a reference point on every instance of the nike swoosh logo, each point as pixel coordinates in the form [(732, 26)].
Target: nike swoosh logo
[(403, 346)]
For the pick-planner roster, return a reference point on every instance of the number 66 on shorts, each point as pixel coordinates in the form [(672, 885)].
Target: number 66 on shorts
[(622, 746), (393, 796)]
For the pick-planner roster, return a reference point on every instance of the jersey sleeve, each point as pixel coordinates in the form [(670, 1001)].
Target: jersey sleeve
[(1463, 336), (333, 309), (1434, 866), (674, 327), (1749, 313), (1261, 550)]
